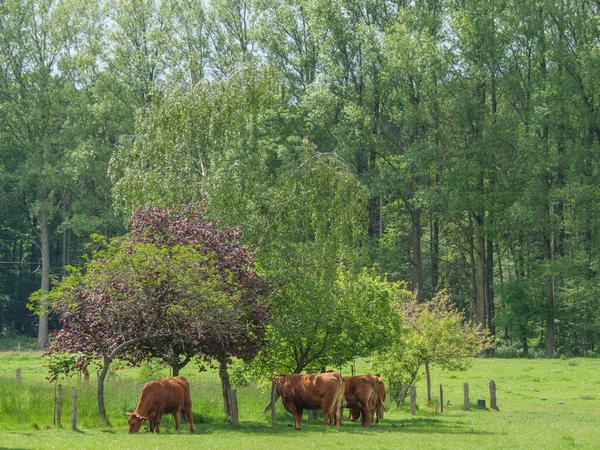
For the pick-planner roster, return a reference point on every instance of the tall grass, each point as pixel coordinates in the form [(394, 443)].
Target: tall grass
[(543, 404), (17, 343)]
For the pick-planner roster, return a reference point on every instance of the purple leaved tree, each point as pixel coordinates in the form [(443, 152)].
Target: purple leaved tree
[(176, 286)]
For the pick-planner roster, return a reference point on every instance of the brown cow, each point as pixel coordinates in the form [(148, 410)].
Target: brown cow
[(360, 395), (381, 395), (164, 396), (379, 400), (312, 391)]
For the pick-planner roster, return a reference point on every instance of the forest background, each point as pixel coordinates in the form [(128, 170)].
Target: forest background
[(453, 145)]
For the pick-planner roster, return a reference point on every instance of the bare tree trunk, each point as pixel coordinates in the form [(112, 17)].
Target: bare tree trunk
[(225, 384), (550, 325), (435, 255), (428, 379), (43, 219), (101, 377), (471, 232), (480, 275), (489, 286), (176, 366), (417, 232)]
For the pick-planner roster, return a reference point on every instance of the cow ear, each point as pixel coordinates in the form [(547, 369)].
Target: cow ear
[(136, 415)]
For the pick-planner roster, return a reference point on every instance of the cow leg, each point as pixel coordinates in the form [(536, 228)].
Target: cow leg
[(157, 423), (367, 416), (298, 418), (327, 417), (296, 412), (338, 416), (177, 417), (379, 410), (187, 407)]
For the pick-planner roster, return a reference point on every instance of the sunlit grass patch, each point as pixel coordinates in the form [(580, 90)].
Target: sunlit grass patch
[(566, 417)]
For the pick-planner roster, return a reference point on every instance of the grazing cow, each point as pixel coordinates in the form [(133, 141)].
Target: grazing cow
[(312, 391), (381, 395), (164, 396), (379, 400), (360, 395)]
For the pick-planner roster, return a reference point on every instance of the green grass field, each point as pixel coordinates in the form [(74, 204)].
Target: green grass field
[(569, 417)]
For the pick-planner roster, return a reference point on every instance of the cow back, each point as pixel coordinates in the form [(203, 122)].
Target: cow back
[(310, 391), (166, 395), (359, 390)]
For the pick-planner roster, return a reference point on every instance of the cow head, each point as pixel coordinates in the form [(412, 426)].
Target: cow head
[(135, 422)]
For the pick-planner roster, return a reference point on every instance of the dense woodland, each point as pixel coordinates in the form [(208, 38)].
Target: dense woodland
[(450, 144)]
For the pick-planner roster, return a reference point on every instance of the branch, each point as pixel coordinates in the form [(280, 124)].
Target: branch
[(131, 342)]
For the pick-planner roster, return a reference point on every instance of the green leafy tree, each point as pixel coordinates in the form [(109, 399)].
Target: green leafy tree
[(314, 225), (522, 309), (434, 334), (38, 87), (232, 26)]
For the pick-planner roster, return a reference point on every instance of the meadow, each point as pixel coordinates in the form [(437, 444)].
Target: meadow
[(544, 404)]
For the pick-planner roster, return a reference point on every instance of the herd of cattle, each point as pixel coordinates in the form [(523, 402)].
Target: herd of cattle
[(364, 395)]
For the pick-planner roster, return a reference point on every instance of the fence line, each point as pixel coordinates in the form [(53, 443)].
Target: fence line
[(248, 400)]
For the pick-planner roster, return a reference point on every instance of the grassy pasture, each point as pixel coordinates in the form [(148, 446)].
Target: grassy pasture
[(569, 417)]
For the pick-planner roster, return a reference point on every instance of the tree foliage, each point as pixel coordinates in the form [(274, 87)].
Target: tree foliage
[(434, 333), (177, 285), (471, 128)]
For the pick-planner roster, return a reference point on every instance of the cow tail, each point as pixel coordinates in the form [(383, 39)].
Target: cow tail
[(340, 398)]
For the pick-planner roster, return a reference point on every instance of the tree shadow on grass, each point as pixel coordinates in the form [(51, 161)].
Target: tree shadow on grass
[(426, 425)]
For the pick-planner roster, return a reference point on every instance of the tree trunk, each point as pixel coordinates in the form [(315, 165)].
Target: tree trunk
[(435, 255), (550, 325), (101, 377), (428, 379), (225, 384), (480, 274), (472, 266), (489, 286), (43, 219), (417, 231), (523, 339), (66, 250), (176, 367), (374, 217)]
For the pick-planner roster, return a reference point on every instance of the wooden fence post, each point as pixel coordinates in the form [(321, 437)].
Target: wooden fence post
[(233, 406), (441, 399), (273, 400), (18, 374), (402, 395), (58, 404), (413, 400), (467, 403), (493, 396), (74, 410)]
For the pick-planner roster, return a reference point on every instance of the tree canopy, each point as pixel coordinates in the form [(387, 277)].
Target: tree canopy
[(471, 131), (434, 333), (176, 286)]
